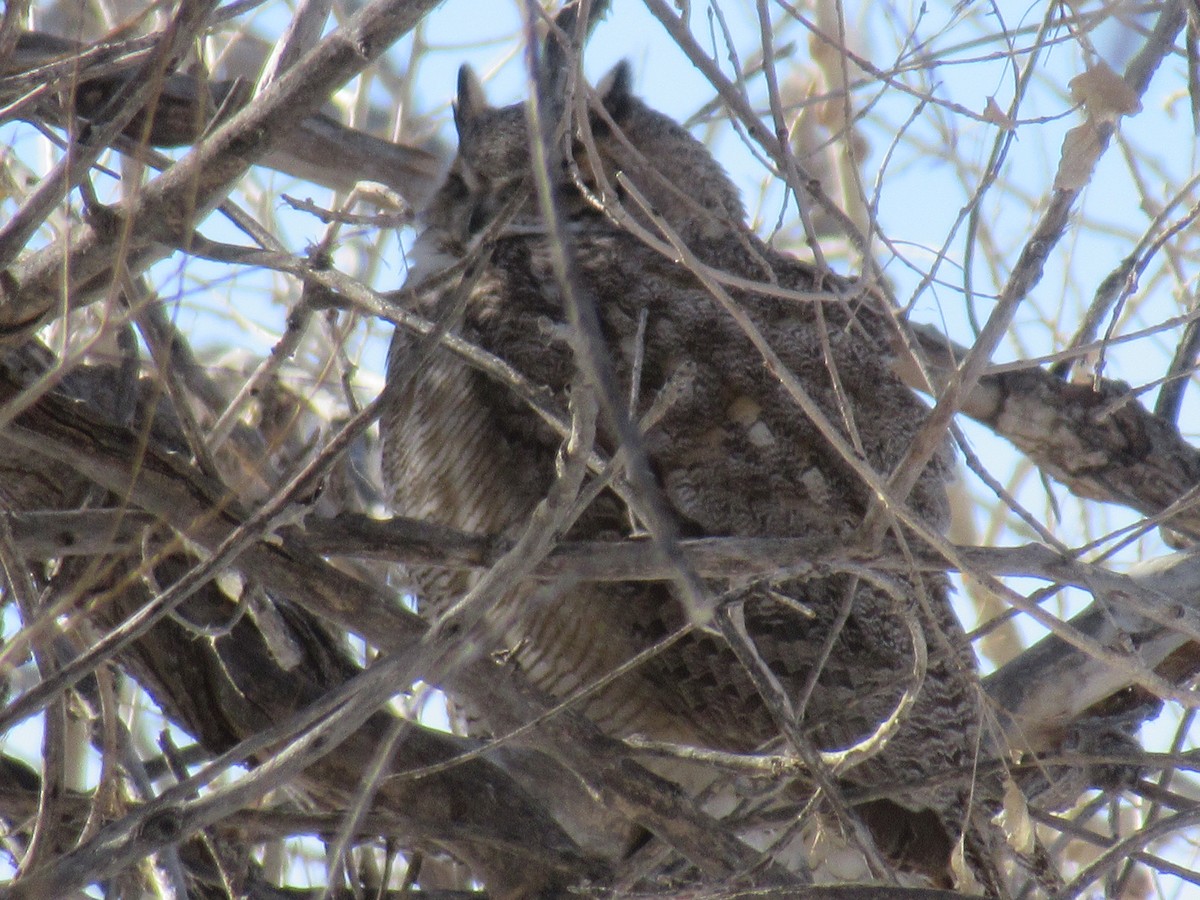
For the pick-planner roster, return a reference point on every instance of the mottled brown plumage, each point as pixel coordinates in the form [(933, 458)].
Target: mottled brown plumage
[(733, 453)]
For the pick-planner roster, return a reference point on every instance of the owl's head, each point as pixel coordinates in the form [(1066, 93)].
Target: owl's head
[(670, 169)]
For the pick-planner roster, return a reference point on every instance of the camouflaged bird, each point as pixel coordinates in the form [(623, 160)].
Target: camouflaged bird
[(731, 449)]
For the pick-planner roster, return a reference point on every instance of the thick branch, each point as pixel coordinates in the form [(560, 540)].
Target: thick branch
[(186, 107), (1099, 441), (168, 209)]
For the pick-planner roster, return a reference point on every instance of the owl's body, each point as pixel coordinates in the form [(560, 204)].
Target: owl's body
[(733, 453)]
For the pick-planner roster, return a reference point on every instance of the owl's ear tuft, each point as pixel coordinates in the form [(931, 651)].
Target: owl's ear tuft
[(616, 90), (471, 101)]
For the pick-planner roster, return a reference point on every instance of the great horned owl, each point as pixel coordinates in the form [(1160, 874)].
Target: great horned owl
[(732, 452)]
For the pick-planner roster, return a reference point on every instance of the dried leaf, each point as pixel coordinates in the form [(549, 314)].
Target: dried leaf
[(1015, 820), (231, 584), (994, 114), (1104, 94), (1080, 150), (964, 878)]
